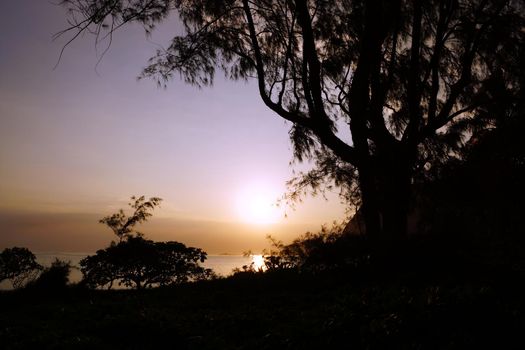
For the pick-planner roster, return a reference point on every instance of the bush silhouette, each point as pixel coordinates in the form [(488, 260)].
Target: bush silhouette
[(53, 277), (18, 265), (140, 263), (136, 262)]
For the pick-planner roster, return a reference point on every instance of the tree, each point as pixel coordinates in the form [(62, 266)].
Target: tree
[(54, 277), (482, 193), (134, 261), (140, 263), (330, 248), (100, 270), (409, 79), (123, 225), (18, 265)]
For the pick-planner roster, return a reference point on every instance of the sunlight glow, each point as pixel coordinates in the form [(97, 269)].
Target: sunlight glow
[(258, 262), (256, 205)]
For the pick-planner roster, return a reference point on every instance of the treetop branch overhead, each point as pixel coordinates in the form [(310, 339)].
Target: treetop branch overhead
[(409, 79)]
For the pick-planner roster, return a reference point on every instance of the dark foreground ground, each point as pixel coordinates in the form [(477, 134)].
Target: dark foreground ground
[(273, 311)]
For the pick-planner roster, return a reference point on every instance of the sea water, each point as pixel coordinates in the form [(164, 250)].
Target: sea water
[(220, 264)]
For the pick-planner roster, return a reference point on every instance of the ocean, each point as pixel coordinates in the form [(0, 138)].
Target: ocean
[(221, 264)]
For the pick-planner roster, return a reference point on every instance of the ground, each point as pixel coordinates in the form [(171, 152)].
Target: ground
[(271, 311)]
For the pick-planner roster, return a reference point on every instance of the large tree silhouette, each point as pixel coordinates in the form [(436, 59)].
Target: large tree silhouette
[(409, 79)]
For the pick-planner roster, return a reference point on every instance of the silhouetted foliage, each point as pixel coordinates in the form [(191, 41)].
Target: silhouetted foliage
[(329, 249), (137, 262), (409, 79), (477, 200), (140, 263), (271, 311), (469, 215), (54, 277), (18, 265), (123, 225)]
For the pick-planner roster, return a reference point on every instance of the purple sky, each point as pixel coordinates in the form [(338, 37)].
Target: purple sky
[(76, 142)]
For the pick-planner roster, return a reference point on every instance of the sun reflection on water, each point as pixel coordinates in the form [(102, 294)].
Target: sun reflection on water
[(258, 262)]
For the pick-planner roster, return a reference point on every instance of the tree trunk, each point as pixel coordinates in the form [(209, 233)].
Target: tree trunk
[(396, 188), (370, 204), (386, 192), (138, 284)]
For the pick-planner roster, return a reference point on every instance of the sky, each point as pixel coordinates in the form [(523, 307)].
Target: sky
[(78, 140)]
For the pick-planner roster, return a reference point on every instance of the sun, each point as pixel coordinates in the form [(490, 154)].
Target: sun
[(256, 204), (258, 262)]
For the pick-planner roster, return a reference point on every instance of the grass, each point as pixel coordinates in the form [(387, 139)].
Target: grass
[(282, 310)]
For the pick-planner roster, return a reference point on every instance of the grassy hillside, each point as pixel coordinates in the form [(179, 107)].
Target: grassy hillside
[(271, 311)]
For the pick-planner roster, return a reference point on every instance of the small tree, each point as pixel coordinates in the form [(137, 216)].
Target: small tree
[(123, 225), (18, 265), (136, 262), (328, 248), (140, 263), (54, 277), (101, 269)]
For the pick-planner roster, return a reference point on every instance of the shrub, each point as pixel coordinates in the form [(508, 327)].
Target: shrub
[(141, 263), (18, 265), (54, 277)]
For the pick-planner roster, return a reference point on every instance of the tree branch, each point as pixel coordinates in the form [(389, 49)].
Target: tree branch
[(259, 66), (414, 83)]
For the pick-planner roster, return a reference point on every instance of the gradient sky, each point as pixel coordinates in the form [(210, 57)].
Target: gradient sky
[(76, 142)]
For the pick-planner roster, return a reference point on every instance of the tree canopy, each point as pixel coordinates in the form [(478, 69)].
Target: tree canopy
[(123, 225), (18, 265), (54, 277), (137, 262), (141, 263), (410, 79)]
